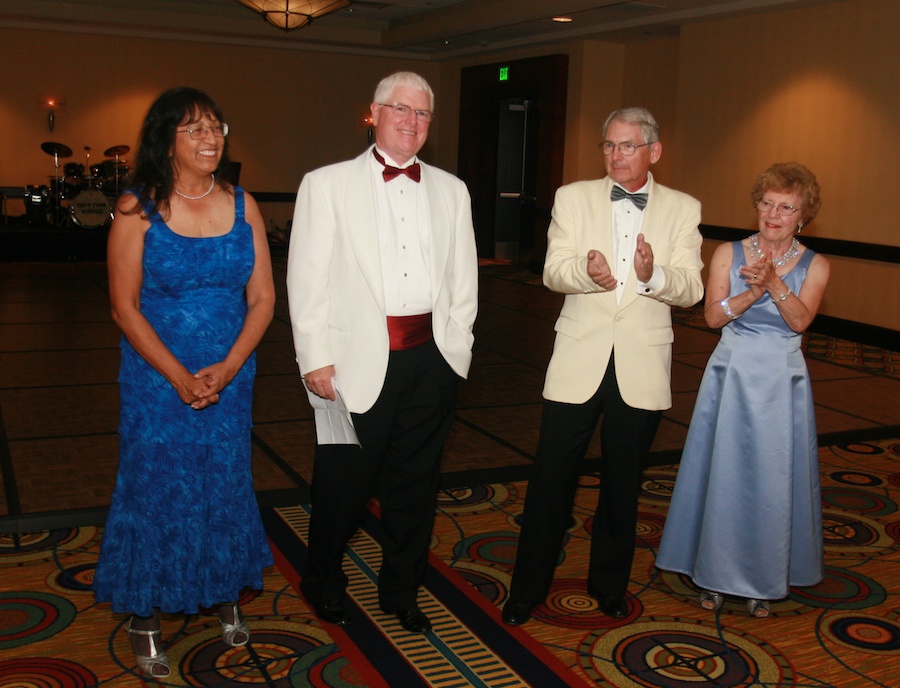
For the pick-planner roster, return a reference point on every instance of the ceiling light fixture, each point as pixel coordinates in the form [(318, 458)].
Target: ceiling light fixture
[(293, 14), (562, 20)]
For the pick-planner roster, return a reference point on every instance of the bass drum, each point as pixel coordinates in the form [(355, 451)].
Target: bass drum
[(90, 209)]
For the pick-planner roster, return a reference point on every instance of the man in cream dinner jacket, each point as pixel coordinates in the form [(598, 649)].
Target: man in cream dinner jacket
[(382, 286), (624, 250)]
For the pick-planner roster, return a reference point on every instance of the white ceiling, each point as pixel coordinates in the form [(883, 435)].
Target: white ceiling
[(424, 29)]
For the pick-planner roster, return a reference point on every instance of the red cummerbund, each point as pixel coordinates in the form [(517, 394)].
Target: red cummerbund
[(407, 331)]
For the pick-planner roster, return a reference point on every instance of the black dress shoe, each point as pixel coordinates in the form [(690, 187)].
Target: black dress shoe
[(333, 611), (516, 613), (413, 620), (616, 607)]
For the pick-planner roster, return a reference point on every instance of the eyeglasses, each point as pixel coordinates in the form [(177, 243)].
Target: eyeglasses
[(199, 131), (404, 111), (625, 148), (782, 209)]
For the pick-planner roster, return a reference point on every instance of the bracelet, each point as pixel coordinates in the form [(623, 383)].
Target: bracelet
[(725, 307), (783, 297)]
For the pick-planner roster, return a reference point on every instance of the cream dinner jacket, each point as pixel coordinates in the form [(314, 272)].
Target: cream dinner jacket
[(334, 280), (591, 323)]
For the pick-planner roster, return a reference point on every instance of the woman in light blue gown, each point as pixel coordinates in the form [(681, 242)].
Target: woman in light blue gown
[(746, 517)]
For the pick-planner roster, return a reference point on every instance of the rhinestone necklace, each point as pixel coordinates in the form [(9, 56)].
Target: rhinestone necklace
[(756, 254), (206, 193)]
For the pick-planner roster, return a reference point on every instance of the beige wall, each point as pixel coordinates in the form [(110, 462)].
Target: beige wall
[(289, 111), (819, 85)]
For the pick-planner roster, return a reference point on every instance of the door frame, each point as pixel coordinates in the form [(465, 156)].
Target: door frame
[(544, 79)]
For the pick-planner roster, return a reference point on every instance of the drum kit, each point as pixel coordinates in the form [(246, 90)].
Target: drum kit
[(79, 194)]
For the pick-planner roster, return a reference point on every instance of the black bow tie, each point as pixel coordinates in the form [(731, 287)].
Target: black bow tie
[(639, 199), (414, 172)]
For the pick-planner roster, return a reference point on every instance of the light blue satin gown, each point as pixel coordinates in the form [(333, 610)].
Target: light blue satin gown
[(746, 516)]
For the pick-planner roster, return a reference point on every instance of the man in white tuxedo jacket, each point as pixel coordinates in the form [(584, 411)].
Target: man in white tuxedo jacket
[(624, 250), (382, 286)]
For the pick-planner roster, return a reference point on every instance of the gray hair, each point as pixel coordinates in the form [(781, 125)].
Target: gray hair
[(636, 115), (408, 79)]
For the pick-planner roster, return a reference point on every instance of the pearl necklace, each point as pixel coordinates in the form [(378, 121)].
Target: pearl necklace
[(206, 193), (756, 254)]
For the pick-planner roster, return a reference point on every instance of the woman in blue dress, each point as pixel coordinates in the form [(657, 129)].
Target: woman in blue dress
[(191, 288), (746, 517)]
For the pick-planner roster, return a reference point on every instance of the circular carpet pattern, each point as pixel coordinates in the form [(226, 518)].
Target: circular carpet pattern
[(489, 581), (858, 450), (45, 672), (670, 653), (657, 486), (43, 545), (498, 547), (287, 650), (854, 535), (569, 606), (862, 501), (841, 589), (29, 617), (863, 632), (855, 478), (72, 579), (477, 499), (649, 529)]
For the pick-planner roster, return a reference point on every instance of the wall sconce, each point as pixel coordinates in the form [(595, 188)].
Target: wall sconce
[(52, 105), (369, 125), (293, 14)]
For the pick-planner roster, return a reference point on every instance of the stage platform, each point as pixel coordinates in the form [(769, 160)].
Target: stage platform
[(21, 241)]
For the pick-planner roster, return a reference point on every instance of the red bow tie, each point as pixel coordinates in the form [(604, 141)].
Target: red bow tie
[(414, 172)]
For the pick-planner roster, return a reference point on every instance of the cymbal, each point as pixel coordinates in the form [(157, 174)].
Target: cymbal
[(116, 150), (57, 149)]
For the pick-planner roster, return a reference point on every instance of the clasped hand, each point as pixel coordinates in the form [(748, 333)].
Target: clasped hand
[(202, 388), (759, 276)]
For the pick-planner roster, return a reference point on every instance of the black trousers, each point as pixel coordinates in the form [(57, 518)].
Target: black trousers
[(566, 429), (402, 438)]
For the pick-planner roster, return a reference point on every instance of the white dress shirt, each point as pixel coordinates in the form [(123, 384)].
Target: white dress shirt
[(403, 241), (627, 222)]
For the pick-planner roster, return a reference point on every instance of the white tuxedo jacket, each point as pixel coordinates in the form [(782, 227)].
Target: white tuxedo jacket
[(591, 322), (334, 279)]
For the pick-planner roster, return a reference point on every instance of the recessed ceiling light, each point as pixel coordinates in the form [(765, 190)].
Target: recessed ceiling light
[(562, 20)]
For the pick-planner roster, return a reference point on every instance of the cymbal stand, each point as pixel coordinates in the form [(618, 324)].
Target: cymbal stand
[(56, 219), (89, 177), (116, 175)]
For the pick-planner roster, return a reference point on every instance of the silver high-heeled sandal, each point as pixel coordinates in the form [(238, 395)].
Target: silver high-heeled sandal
[(711, 600), (234, 634), (758, 608), (156, 664)]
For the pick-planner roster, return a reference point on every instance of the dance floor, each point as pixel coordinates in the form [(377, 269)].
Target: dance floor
[(59, 405)]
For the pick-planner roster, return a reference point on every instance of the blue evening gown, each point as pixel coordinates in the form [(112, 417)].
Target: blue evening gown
[(184, 529), (746, 516)]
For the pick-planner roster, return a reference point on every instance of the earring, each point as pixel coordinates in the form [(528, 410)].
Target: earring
[(799, 228)]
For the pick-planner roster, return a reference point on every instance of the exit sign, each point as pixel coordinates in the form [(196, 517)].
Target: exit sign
[(504, 74)]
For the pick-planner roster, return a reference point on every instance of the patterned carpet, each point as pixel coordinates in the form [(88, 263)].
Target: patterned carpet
[(842, 633)]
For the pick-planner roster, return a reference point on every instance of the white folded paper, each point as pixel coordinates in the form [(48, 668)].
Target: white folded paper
[(334, 425)]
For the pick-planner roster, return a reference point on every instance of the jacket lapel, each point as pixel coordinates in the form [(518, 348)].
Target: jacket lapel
[(435, 214), (362, 224)]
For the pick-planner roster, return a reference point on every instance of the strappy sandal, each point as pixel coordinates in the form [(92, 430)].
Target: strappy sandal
[(156, 664), (235, 634), (711, 600), (758, 608)]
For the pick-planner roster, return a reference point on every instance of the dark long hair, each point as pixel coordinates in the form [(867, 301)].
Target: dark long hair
[(154, 176)]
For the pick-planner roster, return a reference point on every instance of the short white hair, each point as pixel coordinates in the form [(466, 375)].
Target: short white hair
[(635, 115), (409, 79)]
